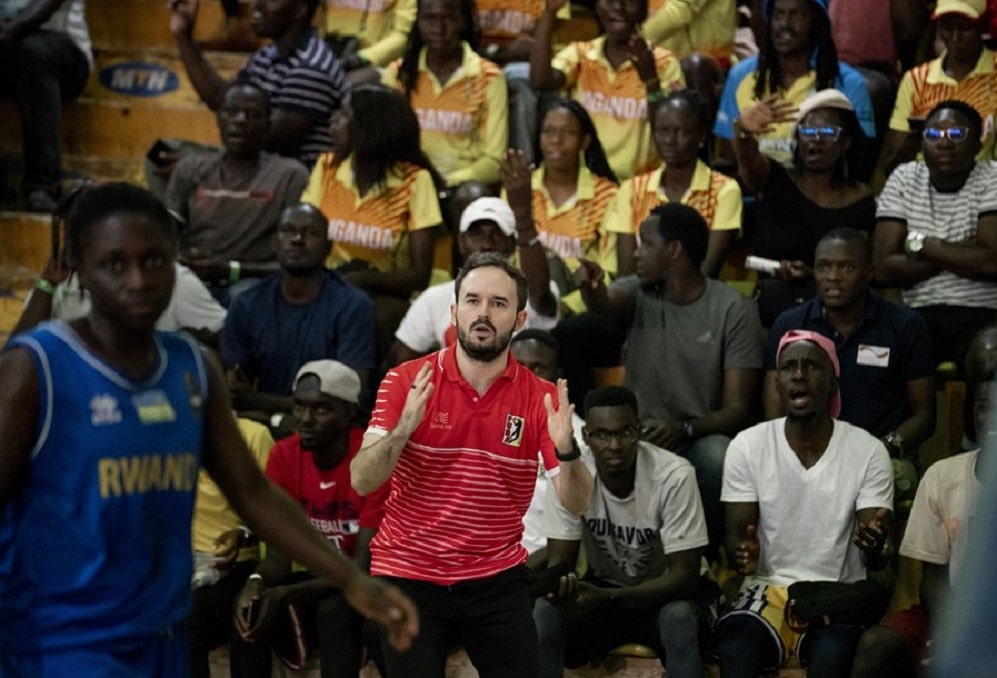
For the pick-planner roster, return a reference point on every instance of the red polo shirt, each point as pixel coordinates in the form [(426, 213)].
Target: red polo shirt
[(466, 476)]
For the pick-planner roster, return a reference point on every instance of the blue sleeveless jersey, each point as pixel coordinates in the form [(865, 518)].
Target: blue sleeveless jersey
[(95, 541)]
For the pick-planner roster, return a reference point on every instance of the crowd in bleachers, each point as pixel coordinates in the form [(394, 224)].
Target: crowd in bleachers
[(625, 155)]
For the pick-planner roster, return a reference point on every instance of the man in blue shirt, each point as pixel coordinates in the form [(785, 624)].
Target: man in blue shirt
[(301, 313), (887, 367), (797, 58)]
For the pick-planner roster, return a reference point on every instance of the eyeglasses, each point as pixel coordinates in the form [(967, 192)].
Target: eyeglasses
[(936, 134), (624, 436), (831, 132)]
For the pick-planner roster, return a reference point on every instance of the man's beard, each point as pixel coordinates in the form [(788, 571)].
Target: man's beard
[(483, 353)]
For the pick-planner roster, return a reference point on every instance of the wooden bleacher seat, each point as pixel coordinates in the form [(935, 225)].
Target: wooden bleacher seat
[(138, 91)]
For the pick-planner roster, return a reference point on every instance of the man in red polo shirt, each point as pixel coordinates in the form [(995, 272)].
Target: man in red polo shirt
[(458, 433)]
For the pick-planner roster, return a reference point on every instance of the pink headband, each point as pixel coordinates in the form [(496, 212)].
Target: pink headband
[(793, 336)]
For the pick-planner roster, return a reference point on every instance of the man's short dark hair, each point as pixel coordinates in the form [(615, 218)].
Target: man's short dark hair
[(611, 396), (972, 115), (483, 259), (99, 201), (683, 223), (852, 235), (540, 336), (243, 81)]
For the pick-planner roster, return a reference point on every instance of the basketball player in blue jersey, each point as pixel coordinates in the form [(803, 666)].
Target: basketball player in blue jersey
[(103, 425)]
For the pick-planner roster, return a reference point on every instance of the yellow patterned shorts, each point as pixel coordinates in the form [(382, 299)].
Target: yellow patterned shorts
[(766, 602)]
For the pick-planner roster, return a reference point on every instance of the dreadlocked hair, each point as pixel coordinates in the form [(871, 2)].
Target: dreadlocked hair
[(769, 73)]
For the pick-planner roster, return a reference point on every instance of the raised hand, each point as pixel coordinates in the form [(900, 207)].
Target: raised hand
[(183, 15), (642, 58), (516, 179), (559, 420), (766, 114), (589, 274), (415, 401)]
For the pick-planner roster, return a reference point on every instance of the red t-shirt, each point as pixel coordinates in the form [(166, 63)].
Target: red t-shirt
[(333, 506), (466, 475)]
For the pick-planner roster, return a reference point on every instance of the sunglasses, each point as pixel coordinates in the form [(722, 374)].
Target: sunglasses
[(831, 132), (936, 134)]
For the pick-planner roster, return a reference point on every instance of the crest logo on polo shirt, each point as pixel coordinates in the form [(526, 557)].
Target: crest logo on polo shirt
[(513, 433)]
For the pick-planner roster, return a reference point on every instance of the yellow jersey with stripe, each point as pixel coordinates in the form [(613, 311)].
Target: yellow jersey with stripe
[(464, 122), (503, 20), (381, 27), (716, 196), (617, 100), (927, 85), (213, 515), (375, 227), (739, 95), (574, 229), (686, 26)]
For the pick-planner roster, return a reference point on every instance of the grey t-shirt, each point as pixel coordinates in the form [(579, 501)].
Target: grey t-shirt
[(677, 354)]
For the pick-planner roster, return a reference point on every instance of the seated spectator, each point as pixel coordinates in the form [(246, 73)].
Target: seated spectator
[(487, 225), (225, 554), (302, 312), (797, 206), (507, 39), (694, 352), (282, 607), (536, 350), (572, 189), (615, 77), (944, 509), (228, 200), (58, 295), (297, 70), (887, 379), (643, 535), (797, 58), (680, 126), (685, 27), (45, 51), (461, 99), (368, 34), (380, 194), (981, 358), (966, 70), (808, 498), (936, 231)]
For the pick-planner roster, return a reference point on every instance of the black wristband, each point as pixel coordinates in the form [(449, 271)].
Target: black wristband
[(575, 452)]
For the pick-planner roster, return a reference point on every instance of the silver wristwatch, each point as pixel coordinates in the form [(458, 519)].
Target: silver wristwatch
[(914, 243)]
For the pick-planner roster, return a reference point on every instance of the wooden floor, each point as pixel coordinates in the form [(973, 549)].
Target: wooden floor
[(459, 666)]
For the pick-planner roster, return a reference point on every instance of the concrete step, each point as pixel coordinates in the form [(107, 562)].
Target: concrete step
[(25, 244), (132, 99)]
